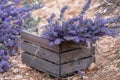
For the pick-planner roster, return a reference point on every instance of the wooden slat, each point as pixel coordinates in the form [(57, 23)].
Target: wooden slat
[(40, 64), (66, 46), (72, 66), (75, 54), (42, 53), (35, 39)]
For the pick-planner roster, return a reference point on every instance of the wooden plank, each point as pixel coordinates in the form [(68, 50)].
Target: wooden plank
[(75, 54), (40, 64), (35, 39), (72, 66), (66, 46), (71, 45), (42, 53)]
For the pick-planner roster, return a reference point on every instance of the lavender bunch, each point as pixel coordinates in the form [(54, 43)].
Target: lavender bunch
[(77, 29), (13, 19)]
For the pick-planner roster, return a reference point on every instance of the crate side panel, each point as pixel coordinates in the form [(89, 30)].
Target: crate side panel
[(66, 46), (75, 54), (35, 39), (72, 66), (40, 52), (40, 64)]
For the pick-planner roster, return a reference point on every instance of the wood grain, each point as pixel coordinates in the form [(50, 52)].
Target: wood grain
[(54, 57), (58, 61), (53, 69), (40, 64), (35, 39), (75, 54), (72, 66), (42, 53)]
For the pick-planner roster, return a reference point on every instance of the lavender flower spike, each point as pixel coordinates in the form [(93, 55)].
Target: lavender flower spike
[(62, 12), (51, 18), (85, 8)]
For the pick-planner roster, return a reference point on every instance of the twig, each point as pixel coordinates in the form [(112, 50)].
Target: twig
[(36, 52), (88, 44), (107, 2)]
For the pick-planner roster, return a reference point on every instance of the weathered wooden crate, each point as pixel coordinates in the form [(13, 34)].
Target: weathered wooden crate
[(57, 61)]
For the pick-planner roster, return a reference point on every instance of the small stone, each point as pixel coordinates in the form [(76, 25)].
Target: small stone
[(24, 79), (18, 77), (92, 67), (31, 78), (85, 77), (26, 73), (16, 70), (22, 66), (75, 78)]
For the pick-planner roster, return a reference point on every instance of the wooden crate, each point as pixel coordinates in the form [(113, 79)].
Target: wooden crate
[(57, 61)]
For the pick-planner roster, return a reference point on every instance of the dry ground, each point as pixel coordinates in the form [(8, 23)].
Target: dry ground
[(107, 48)]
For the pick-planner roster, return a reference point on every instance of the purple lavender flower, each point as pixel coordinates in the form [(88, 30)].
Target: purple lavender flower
[(57, 41), (2, 52), (62, 12), (6, 57), (49, 20), (5, 65), (86, 7), (51, 44), (76, 39), (78, 29), (10, 43), (17, 1), (63, 9), (11, 24)]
